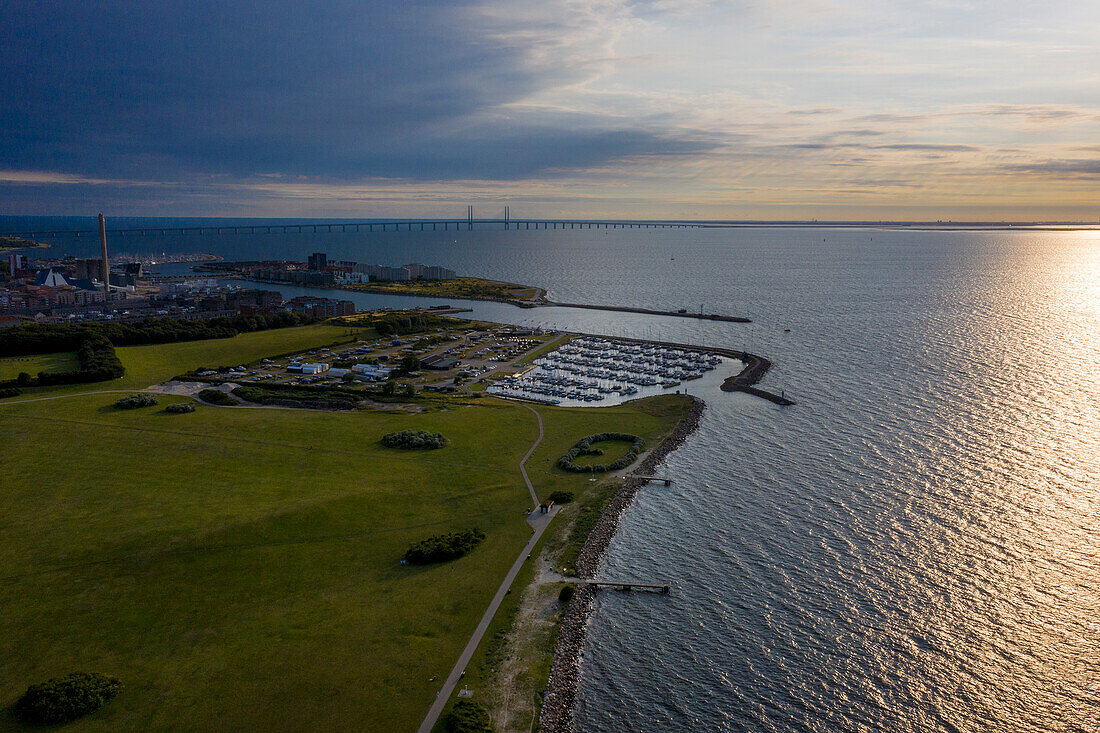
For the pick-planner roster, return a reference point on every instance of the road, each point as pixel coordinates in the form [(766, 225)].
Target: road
[(539, 522)]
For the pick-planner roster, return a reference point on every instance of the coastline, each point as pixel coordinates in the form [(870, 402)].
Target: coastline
[(558, 704)]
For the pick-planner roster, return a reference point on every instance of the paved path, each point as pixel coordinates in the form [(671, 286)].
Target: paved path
[(522, 468), (74, 394), (539, 522)]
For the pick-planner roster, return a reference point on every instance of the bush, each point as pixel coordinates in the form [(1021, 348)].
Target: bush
[(66, 699), (566, 594), (561, 497), (179, 408), (584, 448), (467, 716), (443, 547), (216, 397), (10, 392), (414, 439), (136, 400)]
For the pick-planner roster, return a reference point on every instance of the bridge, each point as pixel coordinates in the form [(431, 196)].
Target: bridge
[(411, 225)]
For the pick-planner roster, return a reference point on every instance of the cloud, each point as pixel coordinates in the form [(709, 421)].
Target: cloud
[(1088, 169), (336, 90)]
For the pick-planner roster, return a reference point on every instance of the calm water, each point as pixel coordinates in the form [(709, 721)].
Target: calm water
[(915, 546)]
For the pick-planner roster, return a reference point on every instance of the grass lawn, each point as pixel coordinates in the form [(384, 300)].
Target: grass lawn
[(459, 287), (239, 569), (63, 361), (613, 450), (148, 365)]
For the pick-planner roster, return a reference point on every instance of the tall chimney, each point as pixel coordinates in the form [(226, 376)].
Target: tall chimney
[(103, 246)]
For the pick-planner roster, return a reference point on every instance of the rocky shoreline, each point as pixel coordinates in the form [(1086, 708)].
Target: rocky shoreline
[(561, 689)]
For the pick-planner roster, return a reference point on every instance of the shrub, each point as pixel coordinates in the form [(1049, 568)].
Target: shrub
[(216, 397), (136, 400), (467, 716), (179, 408), (584, 448), (10, 392), (566, 594), (443, 547), (561, 497), (414, 439), (65, 699)]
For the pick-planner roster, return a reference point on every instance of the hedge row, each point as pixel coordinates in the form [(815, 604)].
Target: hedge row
[(414, 439), (442, 547), (10, 392), (397, 323), (216, 397), (98, 363), (42, 338), (179, 408), (584, 448), (301, 396)]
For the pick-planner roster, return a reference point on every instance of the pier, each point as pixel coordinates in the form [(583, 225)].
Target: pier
[(655, 479), (650, 311), (629, 585)]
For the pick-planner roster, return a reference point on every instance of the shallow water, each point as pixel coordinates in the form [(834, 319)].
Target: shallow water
[(914, 546)]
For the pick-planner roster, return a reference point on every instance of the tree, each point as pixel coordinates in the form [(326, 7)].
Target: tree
[(410, 363), (389, 388), (408, 390), (348, 378)]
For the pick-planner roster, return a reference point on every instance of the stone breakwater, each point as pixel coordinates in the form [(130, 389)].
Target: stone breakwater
[(561, 690)]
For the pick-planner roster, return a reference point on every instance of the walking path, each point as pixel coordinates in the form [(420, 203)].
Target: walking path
[(539, 522), (522, 468)]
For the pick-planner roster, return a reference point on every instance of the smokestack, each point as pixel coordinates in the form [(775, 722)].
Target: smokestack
[(103, 246)]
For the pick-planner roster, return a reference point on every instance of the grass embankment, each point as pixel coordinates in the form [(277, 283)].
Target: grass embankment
[(239, 569), (148, 365), (472, 288), (63, 361)]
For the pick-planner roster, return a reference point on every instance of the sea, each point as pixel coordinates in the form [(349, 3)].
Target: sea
[(913, 546)]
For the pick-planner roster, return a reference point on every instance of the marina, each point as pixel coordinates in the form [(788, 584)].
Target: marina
[(592, 369)]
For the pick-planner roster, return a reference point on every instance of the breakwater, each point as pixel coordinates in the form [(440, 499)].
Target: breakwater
[(561, 689), (755, 369), (650, 311)]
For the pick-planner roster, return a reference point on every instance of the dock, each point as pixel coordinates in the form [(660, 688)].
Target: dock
[(657, 479), (629, 585)]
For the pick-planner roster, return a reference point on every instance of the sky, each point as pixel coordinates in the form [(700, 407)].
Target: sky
[(689, 109)]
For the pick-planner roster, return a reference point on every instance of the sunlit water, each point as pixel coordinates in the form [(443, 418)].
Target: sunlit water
[(914, 546)]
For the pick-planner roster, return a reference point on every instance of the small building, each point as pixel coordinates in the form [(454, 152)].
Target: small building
[(440, 364)]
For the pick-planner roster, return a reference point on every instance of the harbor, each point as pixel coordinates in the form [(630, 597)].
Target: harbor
[(592, 369)]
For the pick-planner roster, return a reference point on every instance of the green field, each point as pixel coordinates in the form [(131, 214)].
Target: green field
[(239, 569), (148, 365), (458, 287), (11, 366)]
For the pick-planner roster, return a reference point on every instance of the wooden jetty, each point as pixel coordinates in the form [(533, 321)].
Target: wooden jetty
[(658, 479), (629, 585)]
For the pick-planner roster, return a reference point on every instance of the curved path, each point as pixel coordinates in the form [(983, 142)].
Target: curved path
[(522, 468), (539, 522)]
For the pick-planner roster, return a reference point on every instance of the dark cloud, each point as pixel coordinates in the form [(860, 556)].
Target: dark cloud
[(1080, 169), (336, 90)]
